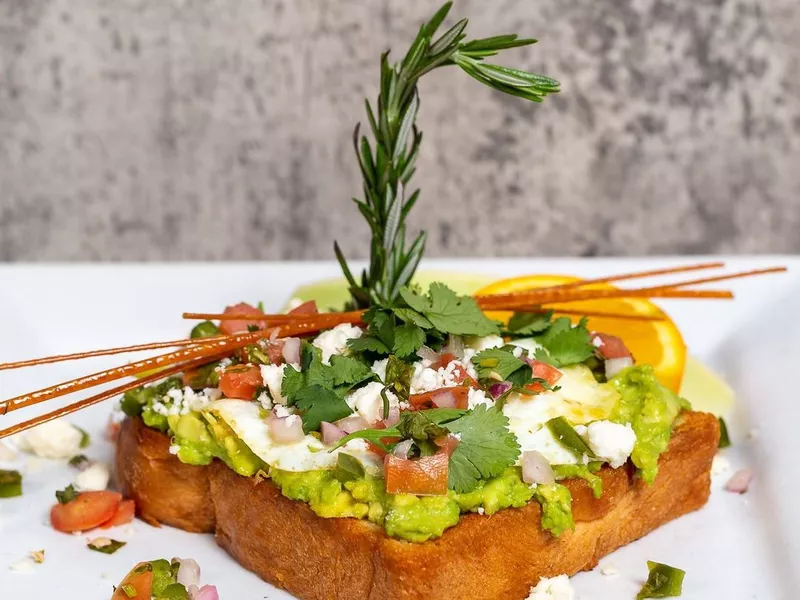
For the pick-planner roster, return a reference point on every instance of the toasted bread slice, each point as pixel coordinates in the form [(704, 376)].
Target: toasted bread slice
[(481, 558)]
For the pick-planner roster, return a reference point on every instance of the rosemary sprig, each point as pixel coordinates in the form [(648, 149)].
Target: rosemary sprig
[(388, 167)]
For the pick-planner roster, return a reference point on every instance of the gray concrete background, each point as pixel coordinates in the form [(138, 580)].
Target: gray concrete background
[(218, 129)]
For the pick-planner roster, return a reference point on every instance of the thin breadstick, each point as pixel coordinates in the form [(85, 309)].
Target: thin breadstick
[(108, 351), (628, 276), (66, 410)]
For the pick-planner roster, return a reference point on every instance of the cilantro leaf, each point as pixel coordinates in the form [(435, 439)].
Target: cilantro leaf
[(448, 312), (502, 363), (318, 404), (563, 345), (318, 390), (293, 382), (485, 450), (411, 316), (408, 339), (525, 324), (368, 343), (66, 495), (347, 371)]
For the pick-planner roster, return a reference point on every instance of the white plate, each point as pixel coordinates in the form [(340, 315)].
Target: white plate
[(737, 547)]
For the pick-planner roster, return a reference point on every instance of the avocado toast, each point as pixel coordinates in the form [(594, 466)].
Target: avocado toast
[(415, 438), (410, 441)]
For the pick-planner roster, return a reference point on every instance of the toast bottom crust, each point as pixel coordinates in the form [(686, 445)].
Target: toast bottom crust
[(482, 558)]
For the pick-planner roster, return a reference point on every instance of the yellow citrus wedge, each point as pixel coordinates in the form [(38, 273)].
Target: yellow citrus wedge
[(658, 343)]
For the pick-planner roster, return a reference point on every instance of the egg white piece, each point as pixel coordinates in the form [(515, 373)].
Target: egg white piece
[(308, 454), (580, 399)]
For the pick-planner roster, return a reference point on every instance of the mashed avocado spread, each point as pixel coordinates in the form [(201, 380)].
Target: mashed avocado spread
[(651, 409), (200, 437)]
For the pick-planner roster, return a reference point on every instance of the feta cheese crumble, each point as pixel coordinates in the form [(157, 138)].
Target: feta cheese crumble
[(54, 439), (93, 479), (334, 341), (272, 375), (367, 401), (553, 588), (612, 442), (379, 368), (182, 402)]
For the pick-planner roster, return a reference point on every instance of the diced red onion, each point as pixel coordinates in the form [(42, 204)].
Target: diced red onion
[(740, 482), (291, 350), (402, 449), (394, 416), (445, 399), (536, 469), (188, 572), (498, 389), (455, 346), (274, 335), (286, 430), (352, 424), (207, 592), (615, 365), (426, 353), (331, 433)]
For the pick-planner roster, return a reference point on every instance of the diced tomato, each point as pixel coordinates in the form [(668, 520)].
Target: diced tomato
[(460, 375), (124, 514), (87, 511), (245, 310), (309, 307), (241, 381), (449, 397), (610, 346), (141, 584), (425, 476), (444, 360), (385, 440), (542, 370), (448, 444)]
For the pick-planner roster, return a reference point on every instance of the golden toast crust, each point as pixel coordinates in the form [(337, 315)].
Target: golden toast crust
[(482, 558)]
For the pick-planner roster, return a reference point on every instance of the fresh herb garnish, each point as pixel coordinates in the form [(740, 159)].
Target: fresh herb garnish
[(528, 323), (387, 167), (418, 319), (500, 364), (317, 404), (662, 582), (486, 448), (105, 545), (66, 495), (318, 389), (564, 344), (10, 484), (568, 437), (724, 438), (348, 468), (448, 312)]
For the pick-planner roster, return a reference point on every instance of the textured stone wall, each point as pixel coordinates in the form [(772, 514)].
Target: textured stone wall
[(220, 129)]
